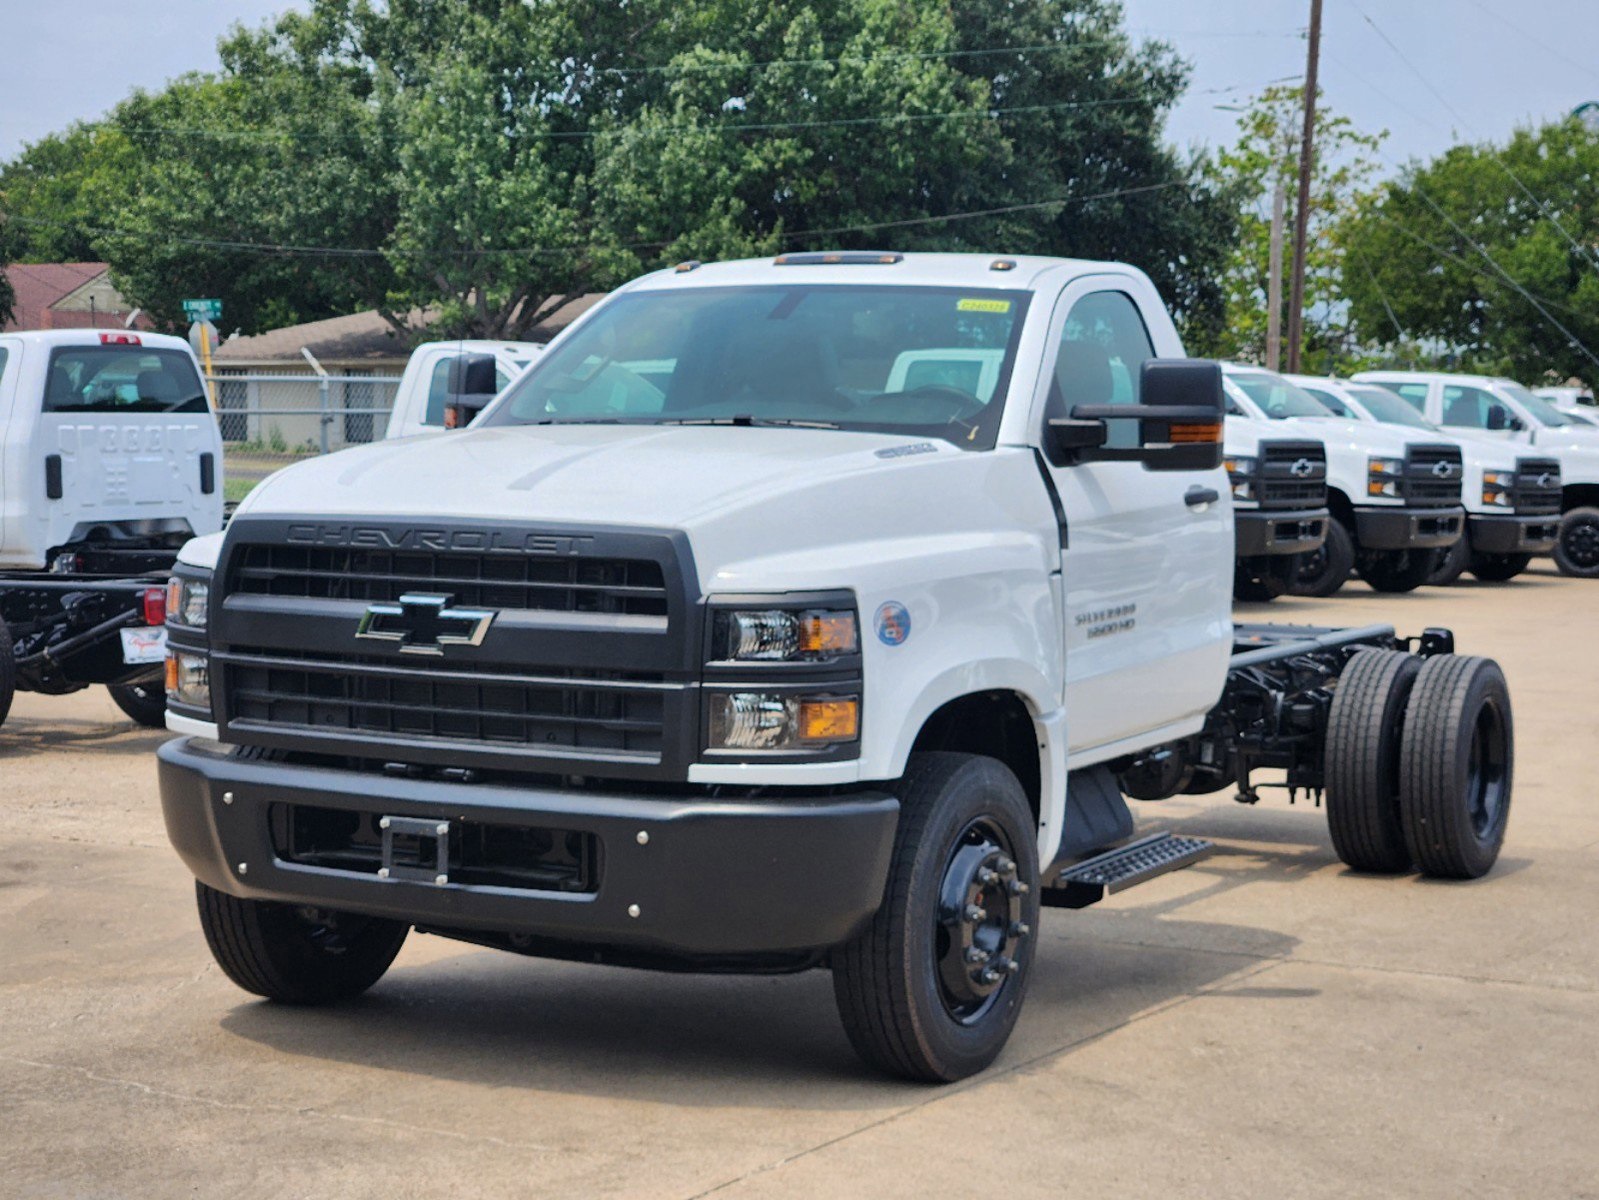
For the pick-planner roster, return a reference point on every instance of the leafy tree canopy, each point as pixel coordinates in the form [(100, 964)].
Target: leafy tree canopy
[(490, 157)]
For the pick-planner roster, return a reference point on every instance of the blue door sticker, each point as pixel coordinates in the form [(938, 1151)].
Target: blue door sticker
[(893, 623)]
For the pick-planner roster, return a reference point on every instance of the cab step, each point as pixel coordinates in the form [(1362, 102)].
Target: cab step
[(1092, 879)]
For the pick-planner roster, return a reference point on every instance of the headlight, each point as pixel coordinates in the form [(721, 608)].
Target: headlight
[(783, 635), (769, 721), (188, 680), (1241, 471), (188, 601), (1498, 488), (1383, 476)]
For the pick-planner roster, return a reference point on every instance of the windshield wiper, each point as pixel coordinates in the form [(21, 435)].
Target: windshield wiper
[(743, 419)]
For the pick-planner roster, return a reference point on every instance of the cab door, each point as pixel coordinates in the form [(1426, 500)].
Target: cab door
[(1147, 569)]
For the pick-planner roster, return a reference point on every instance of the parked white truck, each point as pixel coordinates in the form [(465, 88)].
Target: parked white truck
[(446, 384), (707, 648), (1501, 408), (1394, 497), (111, 460), (1280, 515), (1512, 500)]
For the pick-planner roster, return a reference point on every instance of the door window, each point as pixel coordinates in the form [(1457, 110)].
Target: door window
[(1469, 407), (1103, 348), (1331, 402), (1413, 394)]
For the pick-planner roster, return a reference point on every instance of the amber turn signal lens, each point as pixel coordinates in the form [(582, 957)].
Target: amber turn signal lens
[(1191, 433), (172, 673), (827, 633), (829, 720)]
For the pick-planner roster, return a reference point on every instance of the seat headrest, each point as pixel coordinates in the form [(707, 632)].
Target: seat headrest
[(1083, 372)]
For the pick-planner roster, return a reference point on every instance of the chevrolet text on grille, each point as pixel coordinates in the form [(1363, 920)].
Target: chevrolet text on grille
[(374, 537)]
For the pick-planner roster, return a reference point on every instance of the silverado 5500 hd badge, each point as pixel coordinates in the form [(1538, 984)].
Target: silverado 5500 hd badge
[(1103, 622)]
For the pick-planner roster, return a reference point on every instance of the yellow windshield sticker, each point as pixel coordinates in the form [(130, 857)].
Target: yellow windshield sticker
[(981, 304)]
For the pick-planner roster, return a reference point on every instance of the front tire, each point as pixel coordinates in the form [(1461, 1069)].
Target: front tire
[(1577, 549), (932, 988), (1499, 568), (296, 954), (1451, 564), (1396, 571), (1457, 762), (8, 672), (1265, 577), (146, 703), (1324, 570)]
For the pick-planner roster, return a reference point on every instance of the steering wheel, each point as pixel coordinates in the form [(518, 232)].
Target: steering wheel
[(960, 404)]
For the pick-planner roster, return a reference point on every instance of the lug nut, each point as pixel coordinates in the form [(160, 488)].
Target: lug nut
[(1011, 966), (975, 913), (1017, 888), (989, 975), (977, 955), (1020, 929), (1006, 866), (984, 875)]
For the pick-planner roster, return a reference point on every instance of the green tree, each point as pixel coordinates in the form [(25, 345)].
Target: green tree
[(1489, 255), (1266, 157)]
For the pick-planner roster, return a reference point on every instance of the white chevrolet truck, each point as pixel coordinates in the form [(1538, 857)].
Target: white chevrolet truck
[(445, 385), (1280, 514), (725, 640), (110, 460)]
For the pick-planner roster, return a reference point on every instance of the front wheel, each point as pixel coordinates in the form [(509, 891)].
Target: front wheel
[(1451, 564), (1499, 568), (146, 703), (8, 672), (1577, 548), (1264, 577), (932, 988), (1396, 570), (296, 954), (1325, 569)]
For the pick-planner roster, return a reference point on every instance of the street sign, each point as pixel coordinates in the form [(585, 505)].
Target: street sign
[(203, 310), (205, 340)]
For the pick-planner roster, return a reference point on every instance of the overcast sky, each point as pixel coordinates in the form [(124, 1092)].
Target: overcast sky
[(1463, 69)]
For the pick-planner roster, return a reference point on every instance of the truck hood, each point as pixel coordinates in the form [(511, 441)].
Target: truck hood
[(1363, 436), (671, 476)]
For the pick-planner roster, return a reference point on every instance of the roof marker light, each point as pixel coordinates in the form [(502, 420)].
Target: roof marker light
[(692, 264), (120, 339), (1002, 264)]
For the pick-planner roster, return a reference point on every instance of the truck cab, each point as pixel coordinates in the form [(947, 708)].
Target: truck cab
[(1501, 409), (1280, 514), (1512, 501), (803, 612), (1394, 498), (446, 384), (111, 460)]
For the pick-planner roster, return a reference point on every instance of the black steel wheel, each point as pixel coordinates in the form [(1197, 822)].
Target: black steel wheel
[(297, 954), (1498, 568), (1264, 577), (1325, 569), (1450, 564), (146, 703), (1577, 549), (1361, 760), (1457, 763), (1396, 571), (8, 672), (931, 989)]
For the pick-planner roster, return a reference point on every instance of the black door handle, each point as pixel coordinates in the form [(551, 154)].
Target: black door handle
[(1194, 497)]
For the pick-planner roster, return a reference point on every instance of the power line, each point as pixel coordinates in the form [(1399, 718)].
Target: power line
[(1586, 68), (545, 251)]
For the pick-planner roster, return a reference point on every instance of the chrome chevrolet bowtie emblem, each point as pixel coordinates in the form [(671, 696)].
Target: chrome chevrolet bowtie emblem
[(1443, 469), (1546, 480), (425, 624), (1303, 468)]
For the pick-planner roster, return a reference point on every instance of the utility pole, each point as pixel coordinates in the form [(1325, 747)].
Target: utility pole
[(1307, 160), (1274, 277)]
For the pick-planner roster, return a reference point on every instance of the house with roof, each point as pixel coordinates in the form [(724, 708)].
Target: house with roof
[(68, 296)]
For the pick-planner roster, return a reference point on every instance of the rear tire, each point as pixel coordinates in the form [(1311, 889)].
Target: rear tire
[(912, 989), (1577, 548), (146, 703), (1324, 570), (293, 954), (1451, 564), (1499, 568), (1457, 762), (1396, 571), (1362, 760), (8, 672), (1263, 578)]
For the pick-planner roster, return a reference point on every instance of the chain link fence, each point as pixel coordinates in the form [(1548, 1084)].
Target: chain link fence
[(270, 421)]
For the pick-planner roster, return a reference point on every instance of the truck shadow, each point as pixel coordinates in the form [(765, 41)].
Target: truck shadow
[(24, 737)]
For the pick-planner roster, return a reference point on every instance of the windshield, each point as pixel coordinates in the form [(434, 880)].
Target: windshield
[(122, 379), (1542, 411), (1278, 398), (1389, 408), (915, 360)]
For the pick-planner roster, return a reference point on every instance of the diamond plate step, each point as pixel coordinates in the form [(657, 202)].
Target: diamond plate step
[(1091, 880)]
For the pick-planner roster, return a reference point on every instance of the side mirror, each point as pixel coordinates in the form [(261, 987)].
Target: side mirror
[(1179, 420), (472, 383), (1498, 418)]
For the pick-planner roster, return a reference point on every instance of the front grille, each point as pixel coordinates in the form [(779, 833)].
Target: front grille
[(1537, 486), (537, 584), (1433, 475), (588, 712), (1293, 475)]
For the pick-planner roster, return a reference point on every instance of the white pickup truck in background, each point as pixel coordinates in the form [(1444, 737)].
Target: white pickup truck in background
[(730, 638), (446, 384)]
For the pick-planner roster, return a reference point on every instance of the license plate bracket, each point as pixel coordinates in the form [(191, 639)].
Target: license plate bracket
[(415, 849)]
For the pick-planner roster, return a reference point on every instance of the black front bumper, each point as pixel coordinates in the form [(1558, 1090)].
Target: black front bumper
[(709, 877), (1408, 528), (1511, 534), (1294, 531)]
